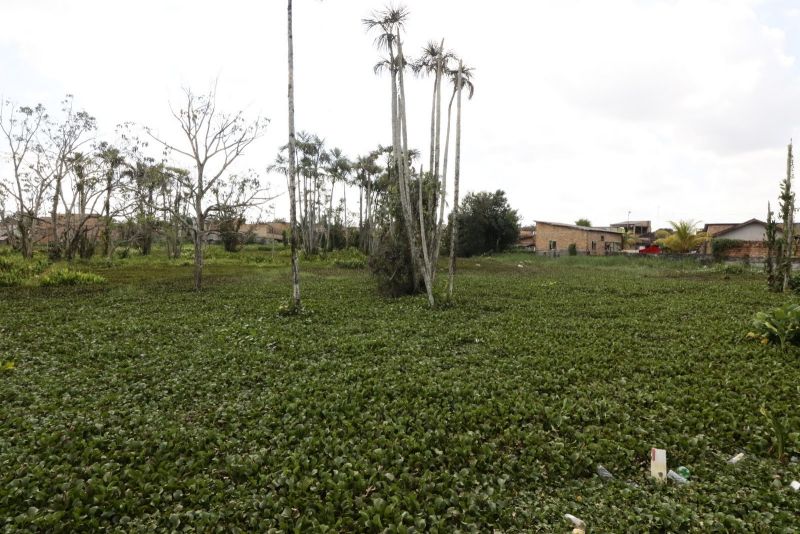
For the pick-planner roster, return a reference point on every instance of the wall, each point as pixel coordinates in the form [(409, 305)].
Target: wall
[(751, 232)]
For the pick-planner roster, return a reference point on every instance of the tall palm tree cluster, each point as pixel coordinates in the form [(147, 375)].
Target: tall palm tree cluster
[(422, 194), (323, 177)]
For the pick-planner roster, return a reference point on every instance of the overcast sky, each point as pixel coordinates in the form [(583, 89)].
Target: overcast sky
[(669, 109)]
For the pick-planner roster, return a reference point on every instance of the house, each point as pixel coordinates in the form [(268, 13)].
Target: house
[(714, 228), (266, 232), (555, 239), (641, 231), (748, 238), (261, 233), (66, 225), (637, 228)]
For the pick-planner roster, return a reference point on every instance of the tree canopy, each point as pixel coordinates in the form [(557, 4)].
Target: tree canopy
[(486, 223)]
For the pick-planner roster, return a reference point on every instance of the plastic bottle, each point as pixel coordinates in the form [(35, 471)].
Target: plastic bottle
[(675, 477)]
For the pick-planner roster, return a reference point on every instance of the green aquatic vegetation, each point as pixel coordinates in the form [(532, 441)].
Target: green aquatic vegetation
[(140, 405)]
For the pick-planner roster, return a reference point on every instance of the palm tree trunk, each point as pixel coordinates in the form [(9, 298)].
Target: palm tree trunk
[(405, 197), (107, 214), (330, 218), (437, 151), (292, 169), (456, 175), (399, 159), (443, 190), (426, 265)]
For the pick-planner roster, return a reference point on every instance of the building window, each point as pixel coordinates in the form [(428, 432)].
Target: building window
[(602, 238), (552, 245), (594, 246)]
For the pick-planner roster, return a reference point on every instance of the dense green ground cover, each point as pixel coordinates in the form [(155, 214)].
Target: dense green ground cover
[(141, 405)]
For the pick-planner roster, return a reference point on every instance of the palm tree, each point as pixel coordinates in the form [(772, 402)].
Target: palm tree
[(462, 81), (292, 170), (685, 237), (338, 168), (390, 23)]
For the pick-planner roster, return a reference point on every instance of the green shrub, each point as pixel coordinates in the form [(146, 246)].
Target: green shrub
[(66, 277), (5, 264), (9, 279), (733, 268), (14, 271), (778, 326), (349, 264), (794, 283), (391, 265)]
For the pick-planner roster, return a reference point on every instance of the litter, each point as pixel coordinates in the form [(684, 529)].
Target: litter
[(795, 485), (604, 473), (672, 475), (658, 464), (684, 472), (736, 459), (579, 524)]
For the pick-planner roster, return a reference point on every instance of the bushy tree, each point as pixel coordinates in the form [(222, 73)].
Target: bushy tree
[(583, 222), (486, 223)]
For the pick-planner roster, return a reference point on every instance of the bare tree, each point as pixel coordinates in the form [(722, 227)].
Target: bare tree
[(215, 141), (20, 126), (59, 143)]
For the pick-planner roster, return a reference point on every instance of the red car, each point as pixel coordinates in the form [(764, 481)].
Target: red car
[(652, 249)]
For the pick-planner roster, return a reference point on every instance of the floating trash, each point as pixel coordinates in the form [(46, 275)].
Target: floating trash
[(658, 464), (604, 473), (736, 459), (675, 477), (578, 523), (795, 485)]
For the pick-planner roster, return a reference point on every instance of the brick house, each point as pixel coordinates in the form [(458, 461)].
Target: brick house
[(750, 236), (555, 239), (90, 225)]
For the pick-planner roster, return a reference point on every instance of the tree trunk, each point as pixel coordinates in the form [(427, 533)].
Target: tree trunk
[(198, 257), (439, 228), (292, 168), (330, 219), (55, 248), (437, 148), (788, 227), (405, 193), (107, 214), (344, 219), (25, 226), (426, 259), (456, 175)]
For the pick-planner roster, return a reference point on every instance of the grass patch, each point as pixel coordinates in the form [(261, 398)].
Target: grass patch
[(140, 405)]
